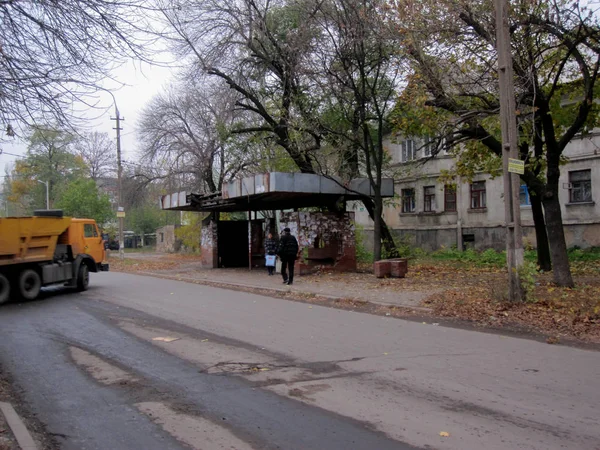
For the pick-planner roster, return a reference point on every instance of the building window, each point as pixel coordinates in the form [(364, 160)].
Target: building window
[(428, 147), (429, 198), (162, 237), (478, 195), (581, 186), (450, 198), (524, 196), (408, 200), (408, 150)]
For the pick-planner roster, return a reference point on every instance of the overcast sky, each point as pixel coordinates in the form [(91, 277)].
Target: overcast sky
[(143, 83)]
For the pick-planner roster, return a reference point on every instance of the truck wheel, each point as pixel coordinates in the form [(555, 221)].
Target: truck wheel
[(30, 284), (4, 289), (83, 278)]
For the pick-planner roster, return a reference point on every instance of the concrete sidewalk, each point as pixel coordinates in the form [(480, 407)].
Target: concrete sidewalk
[(362, 287)]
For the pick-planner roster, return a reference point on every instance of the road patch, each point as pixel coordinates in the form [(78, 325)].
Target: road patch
[(101, 370), (195, 431)]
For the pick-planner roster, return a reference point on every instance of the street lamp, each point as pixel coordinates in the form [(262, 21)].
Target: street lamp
[(47, 193)]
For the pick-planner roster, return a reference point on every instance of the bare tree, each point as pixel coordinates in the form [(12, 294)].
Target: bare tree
[(54, 53), (98, 151), (360, 71), (258, 48), (187, 130), (267, 52)]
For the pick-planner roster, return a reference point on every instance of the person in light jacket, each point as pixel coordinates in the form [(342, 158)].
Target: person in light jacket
[(271, 245)]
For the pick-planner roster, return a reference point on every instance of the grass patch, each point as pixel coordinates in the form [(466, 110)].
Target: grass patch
[(493, 258), (487, 258), (588, 254)]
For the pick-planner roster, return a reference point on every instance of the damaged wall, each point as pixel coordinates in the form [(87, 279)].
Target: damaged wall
[(326, 239), (208, 244), (166, 242)]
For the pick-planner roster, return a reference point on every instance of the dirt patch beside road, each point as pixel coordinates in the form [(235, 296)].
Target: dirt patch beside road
[(7, 440), (8, 394)]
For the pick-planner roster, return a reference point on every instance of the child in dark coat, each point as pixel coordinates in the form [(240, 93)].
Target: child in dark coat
[(271, 245)]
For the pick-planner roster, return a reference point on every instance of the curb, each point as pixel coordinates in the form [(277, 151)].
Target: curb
[(271, 290), (17, 426)]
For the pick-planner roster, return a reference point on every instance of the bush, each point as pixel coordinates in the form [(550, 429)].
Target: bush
[(190, 234), (492, 257), (527, 274), (489, 257), (588, 254)]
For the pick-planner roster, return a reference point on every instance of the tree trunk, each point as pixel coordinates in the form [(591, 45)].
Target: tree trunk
[(543, 249), (556, 237), (382, 232), (554, 224), (377, 231)]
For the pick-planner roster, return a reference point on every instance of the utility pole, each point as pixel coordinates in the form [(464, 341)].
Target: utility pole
[(120, 211), (510, 141)]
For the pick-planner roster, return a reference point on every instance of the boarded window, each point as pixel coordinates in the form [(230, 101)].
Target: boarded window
[(524, 196)]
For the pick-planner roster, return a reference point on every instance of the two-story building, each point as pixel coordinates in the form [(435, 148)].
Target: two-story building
[(429, 214)]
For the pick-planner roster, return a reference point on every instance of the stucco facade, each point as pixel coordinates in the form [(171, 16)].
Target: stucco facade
[(166, 241), (426, 216)]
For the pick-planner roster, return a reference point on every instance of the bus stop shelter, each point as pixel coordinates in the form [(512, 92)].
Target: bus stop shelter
[(326, 238)]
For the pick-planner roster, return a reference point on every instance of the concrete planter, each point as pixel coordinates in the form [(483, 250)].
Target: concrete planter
[(399, 267), (382, 268)]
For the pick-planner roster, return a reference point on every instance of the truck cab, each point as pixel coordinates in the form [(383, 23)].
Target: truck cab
[(85, 238)]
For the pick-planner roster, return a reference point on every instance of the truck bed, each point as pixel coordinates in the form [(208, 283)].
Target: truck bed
[(30, 239)]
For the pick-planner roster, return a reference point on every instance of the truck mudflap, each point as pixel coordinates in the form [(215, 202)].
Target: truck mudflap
[(103, 267)]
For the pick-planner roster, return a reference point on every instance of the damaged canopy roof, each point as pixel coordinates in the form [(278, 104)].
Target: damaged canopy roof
[(275, 191)]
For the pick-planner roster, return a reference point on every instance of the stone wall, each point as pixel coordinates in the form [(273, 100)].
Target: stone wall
[(166, 242), (325, 239)]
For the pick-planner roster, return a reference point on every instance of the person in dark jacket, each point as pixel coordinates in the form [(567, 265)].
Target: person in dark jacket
[(271, 245), (288, 252)]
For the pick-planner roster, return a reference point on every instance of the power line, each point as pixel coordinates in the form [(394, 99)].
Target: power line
[(2, 152)]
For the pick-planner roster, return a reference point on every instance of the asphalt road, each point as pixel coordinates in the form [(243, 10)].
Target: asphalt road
[(145, 363)]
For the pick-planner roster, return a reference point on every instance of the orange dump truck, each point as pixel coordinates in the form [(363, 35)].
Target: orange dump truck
[(47, 249)]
